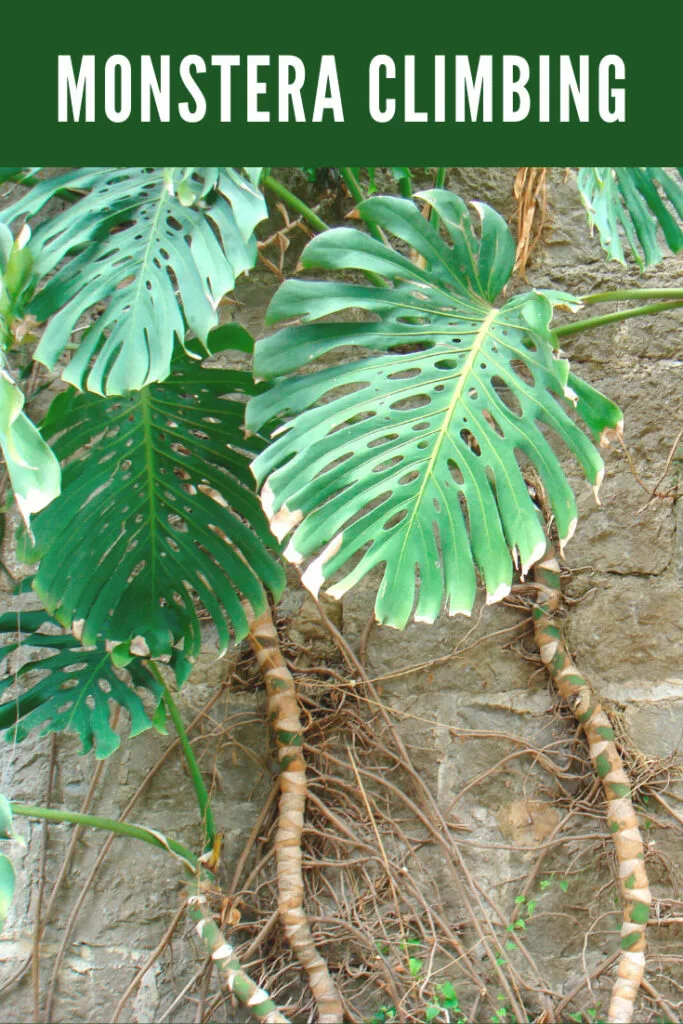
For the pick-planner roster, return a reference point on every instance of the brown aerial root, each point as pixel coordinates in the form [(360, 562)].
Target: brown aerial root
[(530, 192), (285, 719), (622, 821)]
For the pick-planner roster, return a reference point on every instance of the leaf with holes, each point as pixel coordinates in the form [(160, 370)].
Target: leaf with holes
[(76, 685), (158, 515), (412, 457), (145, 252), (634, 202)]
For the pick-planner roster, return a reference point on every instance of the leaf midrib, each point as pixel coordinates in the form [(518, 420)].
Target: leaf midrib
[(141, 275), (443, 433), (151, 491)]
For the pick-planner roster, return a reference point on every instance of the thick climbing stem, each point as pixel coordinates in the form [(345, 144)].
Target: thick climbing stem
[(285, 720), (191, 761), (622, 821), (256, 999)]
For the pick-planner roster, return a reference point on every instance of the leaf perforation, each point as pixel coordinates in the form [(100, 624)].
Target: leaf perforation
[(447, 428)]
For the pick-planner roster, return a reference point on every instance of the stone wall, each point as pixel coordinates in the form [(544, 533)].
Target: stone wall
[(625, 628)]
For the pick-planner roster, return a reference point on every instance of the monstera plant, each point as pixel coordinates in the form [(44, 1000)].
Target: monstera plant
[(404, 442), (637, 205), (414, 458), (417, 454)]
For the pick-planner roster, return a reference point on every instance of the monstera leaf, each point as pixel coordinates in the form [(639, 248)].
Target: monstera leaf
[(145, 252), (76, 686), (158, 515), (634, 202), (412, 457), (33, 469)]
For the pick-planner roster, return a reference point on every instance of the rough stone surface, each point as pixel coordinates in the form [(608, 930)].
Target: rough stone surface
[(626, 629)]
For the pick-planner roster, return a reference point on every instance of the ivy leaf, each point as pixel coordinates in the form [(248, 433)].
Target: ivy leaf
[(411, 458)]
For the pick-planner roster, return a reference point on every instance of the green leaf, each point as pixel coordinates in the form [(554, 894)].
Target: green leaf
[(403, 178), (410, 457), (7, 884), (75, 688), (32, 466), (16, 264), (159, 719), (631, 204), (158, 248), (158, 513), (447, 992), (414, 966), (6, 830)]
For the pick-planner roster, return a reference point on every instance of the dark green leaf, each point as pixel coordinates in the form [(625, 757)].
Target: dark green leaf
[(75, 688), (158, 513)]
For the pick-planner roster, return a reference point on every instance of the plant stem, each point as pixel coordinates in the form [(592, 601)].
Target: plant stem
[(121, 828), (357, 196), (284, 715), (610, 318), (633, 293), (250, 995), (196, 776), (298, 205), (294, 202), (622, 821), (30, 181), (254, 998), (405, 187), (439, 182)]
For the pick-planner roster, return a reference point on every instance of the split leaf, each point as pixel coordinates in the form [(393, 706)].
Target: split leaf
[(412, 457), (151, 250)]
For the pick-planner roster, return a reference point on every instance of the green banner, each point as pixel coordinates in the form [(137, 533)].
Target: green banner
[(265, 84)]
